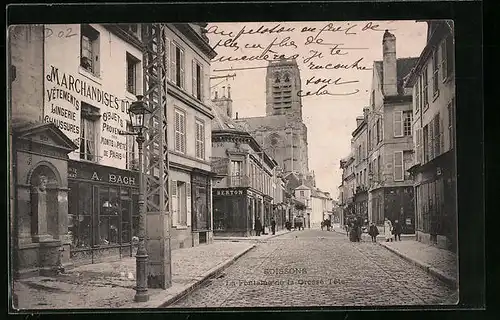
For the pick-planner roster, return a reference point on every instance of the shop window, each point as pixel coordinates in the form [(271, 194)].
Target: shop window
[(81, 208), (109, 216), (200, 218), (181, 203), (126, 215), (89, 49), (133, 65), (88, 132)]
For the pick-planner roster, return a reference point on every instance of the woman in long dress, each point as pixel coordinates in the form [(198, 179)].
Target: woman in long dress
[(388, 230)]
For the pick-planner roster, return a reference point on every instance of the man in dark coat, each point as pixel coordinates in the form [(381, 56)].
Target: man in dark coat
[(373, 232), (258, 226), (273, 226), (397, 230)]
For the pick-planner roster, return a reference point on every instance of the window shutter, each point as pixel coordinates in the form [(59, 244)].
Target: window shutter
[(177, 132), (441, 135), (202, 78), (398, 166), (167, 56), (193, 77), (450, 63), (182, 69), (418, 137), (188, 204), (197, 139), (437, 136), (174, 207), (444, 67), (173, 62), (183, 132), (398, 123), (431, 140)]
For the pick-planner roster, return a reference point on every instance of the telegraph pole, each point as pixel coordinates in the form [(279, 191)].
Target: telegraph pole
[(156, 163)]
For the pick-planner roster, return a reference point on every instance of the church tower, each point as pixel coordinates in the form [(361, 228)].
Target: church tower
[(282, 87)]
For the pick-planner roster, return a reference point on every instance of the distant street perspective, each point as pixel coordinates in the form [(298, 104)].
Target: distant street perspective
[(232, 164), (320, 268)]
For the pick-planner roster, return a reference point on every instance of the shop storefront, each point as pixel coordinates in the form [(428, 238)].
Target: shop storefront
[(103, 212), (201, 208), (436, 216), (233, 211), (268, 212)]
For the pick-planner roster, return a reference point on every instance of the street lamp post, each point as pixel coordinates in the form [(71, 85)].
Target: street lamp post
[(137, 113)]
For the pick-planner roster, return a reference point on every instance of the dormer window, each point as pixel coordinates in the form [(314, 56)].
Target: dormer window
[(287, 78)]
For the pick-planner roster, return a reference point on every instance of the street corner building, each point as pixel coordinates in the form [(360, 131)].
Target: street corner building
[(74, 177), (246, 186)]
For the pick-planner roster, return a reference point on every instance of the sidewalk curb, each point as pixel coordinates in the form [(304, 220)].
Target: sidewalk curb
[(199, 281), (243, 239), (426, 267)]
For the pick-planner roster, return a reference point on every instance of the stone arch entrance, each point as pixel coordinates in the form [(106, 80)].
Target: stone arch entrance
[(44, 181)]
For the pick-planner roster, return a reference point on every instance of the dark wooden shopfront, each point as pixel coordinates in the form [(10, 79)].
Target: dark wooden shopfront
[(201, 205), (103, 212), (234, 211)]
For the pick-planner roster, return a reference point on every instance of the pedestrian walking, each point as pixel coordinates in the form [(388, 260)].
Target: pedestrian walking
[(387, 230), (273, 226), (373, 232), (258, 226), (397, 230)]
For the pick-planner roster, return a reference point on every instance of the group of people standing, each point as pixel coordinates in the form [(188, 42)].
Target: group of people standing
[(259, 229), (392, 231)]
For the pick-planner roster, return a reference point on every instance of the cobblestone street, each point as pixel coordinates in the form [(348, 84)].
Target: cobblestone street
[(319, 268)]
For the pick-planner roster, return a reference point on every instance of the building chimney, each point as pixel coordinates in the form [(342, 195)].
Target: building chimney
[(390, 76), (236, 115)]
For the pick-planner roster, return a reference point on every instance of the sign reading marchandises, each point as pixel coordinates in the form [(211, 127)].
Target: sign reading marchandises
[(71, 90)]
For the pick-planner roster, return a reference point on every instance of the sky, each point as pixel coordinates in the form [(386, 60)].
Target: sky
[(326, 53)]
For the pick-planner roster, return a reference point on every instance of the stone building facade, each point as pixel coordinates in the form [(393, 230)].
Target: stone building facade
[(390, 142), (243, 189), (359, 146), (75, 179), (434, 166)]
